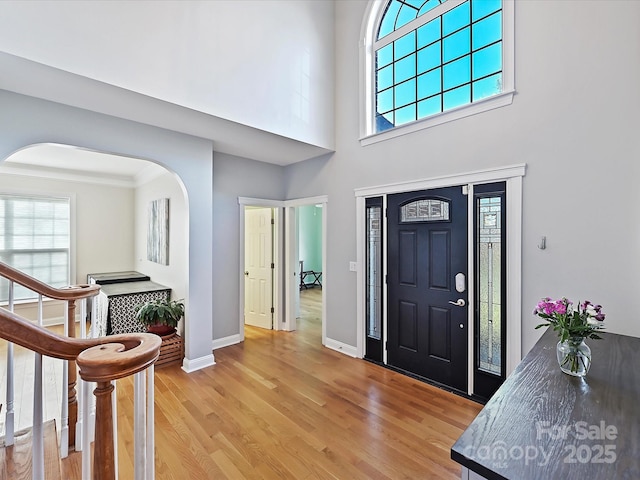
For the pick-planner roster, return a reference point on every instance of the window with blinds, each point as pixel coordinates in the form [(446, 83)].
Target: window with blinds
[(35, 238)]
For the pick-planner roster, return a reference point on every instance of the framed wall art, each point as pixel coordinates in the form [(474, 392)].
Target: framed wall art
[(158, 231)]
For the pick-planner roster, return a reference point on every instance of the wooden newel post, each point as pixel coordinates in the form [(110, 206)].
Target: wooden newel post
[(103, 363), (103, 451), (72, 375)]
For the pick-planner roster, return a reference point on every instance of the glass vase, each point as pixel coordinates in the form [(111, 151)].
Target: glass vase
[(574, 356)]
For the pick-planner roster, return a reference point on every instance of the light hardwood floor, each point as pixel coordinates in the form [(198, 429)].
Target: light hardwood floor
[(281, 406)]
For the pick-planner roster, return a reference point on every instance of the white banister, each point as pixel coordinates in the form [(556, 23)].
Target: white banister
[(83, 318), (37, 459), (85, 427), (64, 415), (91, 411), (114, 412), (82, 386), (9, 424), (86, 411), (143, 425), (9, 428), (139, 426), (86, 438), (38, 431), (151, 464)]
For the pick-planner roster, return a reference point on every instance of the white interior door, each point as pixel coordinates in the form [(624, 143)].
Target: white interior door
[(258, 261)]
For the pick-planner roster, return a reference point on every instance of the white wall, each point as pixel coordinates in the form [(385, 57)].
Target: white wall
[(103, 230), (104, 221), (574, 122), (28, 121), (176, 274), (264, 64)]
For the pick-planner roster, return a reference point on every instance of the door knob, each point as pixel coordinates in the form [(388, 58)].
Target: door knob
[(246, 273), (460, 302)]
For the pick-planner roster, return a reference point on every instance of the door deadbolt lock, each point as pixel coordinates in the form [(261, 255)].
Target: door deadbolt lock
[(459, 303)]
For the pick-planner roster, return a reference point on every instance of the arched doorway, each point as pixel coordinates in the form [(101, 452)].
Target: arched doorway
[(108, 197)]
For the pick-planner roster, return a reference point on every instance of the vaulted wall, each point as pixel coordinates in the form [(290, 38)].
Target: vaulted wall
[(573, 121)]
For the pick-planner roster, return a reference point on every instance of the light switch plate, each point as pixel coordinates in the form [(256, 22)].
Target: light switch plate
[(353, 266)]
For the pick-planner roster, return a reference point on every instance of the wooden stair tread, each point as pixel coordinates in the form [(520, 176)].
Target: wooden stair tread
[(16, 459)]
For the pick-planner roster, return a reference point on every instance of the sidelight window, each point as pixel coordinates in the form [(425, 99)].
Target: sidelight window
[(374, 279), (490, 322)]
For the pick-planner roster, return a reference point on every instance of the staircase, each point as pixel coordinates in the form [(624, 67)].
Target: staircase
[(33, 454), (15, 460)]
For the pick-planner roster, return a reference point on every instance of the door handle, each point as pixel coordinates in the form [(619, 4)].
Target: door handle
[(246, 273), (460, 302)]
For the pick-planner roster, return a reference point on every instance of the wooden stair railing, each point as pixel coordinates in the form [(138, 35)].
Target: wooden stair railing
[(100, 360), (70, 295)]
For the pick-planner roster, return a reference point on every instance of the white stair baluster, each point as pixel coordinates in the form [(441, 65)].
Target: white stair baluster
[(64, 415), (85, 388), (83, 318), (151, 465), (91, 406), (139, 426), (37, 459), (82, 411), (114, 412), (10, 415)]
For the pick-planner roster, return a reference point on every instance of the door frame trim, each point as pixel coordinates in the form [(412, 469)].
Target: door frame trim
[(284, 310), (277, 258), (512, 175), (291, 280)]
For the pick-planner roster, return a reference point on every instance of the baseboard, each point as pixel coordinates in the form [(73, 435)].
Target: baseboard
[(189, 365), (341, 347), (226, 341)]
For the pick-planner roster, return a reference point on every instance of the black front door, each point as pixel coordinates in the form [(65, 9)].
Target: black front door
[(427, 285)]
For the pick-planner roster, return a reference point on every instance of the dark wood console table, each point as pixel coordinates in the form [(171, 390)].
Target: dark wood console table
[(544, 424)]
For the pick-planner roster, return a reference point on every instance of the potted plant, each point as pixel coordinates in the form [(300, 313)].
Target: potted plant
[(160, 316)]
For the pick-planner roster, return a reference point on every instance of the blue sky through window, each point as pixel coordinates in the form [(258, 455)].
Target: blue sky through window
[(452, 60)]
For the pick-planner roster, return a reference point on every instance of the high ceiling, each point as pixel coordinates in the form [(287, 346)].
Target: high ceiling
[(34, 79), (254, 77)]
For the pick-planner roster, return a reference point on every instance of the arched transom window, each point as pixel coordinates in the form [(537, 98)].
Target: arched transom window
[(430, 60)]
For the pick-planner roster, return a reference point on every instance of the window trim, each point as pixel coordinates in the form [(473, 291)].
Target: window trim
[(371, 21)]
